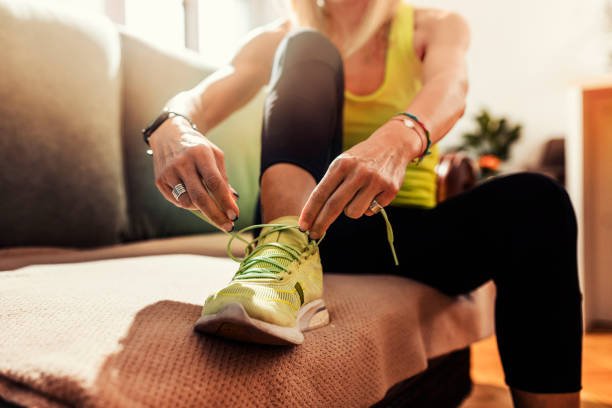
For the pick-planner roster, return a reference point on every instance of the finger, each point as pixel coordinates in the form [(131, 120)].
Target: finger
[(165, 185), (215, 180), (234, 193), (320, 195), (202, 200), (383, 199), (360, 204), (334, 207), (165, 189), (387, 195), (220, 160), (221, 166)]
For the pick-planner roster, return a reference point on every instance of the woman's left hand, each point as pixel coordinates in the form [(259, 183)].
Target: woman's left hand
[(372, 169)]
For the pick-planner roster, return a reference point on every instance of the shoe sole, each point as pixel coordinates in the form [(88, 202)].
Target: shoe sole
[(233, 322)]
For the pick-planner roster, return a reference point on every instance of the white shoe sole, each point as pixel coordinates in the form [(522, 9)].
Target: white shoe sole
[(233, 322)]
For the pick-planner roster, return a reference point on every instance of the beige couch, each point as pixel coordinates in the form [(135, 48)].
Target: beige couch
[(101, 279)]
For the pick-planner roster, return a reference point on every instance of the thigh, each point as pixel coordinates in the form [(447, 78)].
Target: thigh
[(454, 247), (430, 249)]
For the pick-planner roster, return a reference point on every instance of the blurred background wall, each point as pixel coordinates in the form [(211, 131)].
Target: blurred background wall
[(523, 56)]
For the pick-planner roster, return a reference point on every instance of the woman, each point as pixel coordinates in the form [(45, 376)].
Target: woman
[(356, 100)]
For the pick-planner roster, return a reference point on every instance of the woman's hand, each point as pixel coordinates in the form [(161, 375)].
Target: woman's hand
[(183, 155), (372, 169)]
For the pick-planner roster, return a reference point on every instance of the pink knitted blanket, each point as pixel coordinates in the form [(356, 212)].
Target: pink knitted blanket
[(118, 333)]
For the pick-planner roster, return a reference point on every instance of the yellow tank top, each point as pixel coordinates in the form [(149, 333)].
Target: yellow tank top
[(363, 114)]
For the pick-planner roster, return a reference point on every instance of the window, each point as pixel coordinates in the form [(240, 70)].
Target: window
[(222, 25), (161, 22), (96, 6), (214, 28)]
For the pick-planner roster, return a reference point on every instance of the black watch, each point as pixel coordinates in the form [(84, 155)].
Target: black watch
[(165, 115)]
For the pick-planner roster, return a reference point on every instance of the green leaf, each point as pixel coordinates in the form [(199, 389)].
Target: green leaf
[(491, 136)]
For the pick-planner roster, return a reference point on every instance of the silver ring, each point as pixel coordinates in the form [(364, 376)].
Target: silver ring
[(178, 190), (375, 207)]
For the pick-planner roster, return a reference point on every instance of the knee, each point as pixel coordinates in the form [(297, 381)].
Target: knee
[(538, 191), (541, 217), (307, 45), (542, 202)]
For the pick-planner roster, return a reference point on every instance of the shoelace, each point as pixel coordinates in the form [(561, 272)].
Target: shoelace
[(389, 235), (248, 265), (248, 268)]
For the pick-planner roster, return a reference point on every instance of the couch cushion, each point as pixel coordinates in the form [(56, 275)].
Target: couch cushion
[(60, 155), (152, 76), (211, 244), (120, 333)]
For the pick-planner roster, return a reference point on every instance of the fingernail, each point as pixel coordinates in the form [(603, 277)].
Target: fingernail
[(235, 194), (300, 228), (228, 226), (231, 215)]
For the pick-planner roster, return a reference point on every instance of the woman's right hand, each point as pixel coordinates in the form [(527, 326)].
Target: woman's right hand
[(184, 155)]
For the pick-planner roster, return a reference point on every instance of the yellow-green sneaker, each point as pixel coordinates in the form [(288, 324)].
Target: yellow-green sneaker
[(276, 294)]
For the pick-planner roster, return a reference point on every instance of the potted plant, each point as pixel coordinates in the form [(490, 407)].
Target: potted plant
[(489, 144)]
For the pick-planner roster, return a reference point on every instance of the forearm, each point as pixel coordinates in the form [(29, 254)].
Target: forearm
[(215, 98), (232, 87), (440, 103)]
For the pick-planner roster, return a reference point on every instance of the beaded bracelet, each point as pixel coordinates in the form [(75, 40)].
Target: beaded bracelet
[(425, 130)]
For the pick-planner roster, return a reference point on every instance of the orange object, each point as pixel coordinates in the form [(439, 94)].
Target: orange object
[(489, 161)]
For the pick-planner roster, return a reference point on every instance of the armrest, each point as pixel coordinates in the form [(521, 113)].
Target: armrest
[(455, 174)]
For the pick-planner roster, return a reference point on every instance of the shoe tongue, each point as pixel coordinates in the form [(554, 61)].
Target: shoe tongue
[(291, 236)]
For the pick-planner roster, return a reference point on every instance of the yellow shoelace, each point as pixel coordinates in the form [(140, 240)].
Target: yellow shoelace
[(389, 235), (250, 251)]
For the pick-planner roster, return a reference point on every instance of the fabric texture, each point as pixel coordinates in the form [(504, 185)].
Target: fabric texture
[(211, 244), (120, 333), (60, 87), (363, 114)]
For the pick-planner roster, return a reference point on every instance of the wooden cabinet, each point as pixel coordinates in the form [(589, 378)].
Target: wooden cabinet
[(589, 173)]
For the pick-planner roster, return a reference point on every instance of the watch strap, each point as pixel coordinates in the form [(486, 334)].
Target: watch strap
[(163, 116)]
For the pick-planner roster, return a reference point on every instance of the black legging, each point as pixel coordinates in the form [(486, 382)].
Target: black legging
[(519, 230)]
